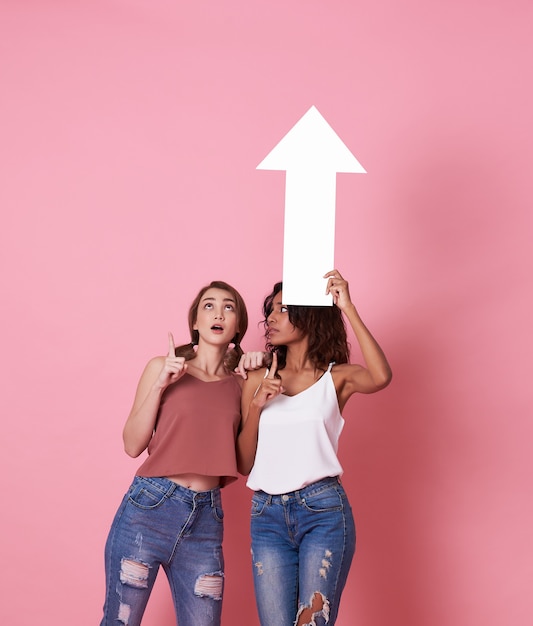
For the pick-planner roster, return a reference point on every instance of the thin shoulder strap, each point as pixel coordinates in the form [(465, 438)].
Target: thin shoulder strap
[(259, 386)]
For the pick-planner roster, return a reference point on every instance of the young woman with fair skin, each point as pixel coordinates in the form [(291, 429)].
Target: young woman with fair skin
[(303, 534), (186, 412)]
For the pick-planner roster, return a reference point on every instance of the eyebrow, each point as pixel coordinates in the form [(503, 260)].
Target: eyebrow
[(223, 299)]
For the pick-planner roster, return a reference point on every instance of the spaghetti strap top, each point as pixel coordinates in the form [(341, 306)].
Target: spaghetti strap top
[(298, 439)]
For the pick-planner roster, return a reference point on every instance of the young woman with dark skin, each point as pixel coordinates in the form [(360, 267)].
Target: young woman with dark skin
[(186, 412), (303, 534)]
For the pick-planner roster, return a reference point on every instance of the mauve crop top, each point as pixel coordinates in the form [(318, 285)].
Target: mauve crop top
[(195, 430)]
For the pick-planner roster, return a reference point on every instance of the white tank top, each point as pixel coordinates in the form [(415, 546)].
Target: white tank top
[(298, 439)]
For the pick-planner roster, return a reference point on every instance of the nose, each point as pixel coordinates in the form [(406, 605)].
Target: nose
[(219, 315)]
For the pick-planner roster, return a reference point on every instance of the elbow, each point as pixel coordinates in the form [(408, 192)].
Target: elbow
[(131, 451), (384, 379), (133, 447), (380, 378)]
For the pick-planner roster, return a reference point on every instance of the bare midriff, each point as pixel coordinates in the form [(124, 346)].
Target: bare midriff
[(196, 482)]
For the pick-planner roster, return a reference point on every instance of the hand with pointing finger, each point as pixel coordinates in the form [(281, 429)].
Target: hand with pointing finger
[(174, 366), (270, 387)]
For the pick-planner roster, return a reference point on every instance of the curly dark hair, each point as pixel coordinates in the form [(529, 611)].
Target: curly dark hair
[(323, 326), (233, 356)]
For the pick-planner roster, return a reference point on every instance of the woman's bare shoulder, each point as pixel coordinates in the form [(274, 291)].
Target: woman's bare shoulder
[(256, 376)]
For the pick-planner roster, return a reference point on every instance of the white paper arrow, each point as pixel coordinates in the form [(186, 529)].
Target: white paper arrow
[(311, 153)]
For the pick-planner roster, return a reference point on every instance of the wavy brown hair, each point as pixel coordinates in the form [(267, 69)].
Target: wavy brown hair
[(232, 356), (323, 326)]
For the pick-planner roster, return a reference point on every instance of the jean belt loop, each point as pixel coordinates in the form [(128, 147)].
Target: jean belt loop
[(215, 497), (171, 489)]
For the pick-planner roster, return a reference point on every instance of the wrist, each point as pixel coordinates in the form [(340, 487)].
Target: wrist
[(349, 308), (158, 387), (256, 406)]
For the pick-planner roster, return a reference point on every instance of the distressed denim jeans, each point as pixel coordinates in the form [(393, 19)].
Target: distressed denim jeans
[(303, 544), (160, 523)]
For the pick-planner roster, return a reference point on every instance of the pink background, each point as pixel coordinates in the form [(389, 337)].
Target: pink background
[(129, 135)]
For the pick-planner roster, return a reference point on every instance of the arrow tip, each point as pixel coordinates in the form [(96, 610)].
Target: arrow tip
[(310, 144)]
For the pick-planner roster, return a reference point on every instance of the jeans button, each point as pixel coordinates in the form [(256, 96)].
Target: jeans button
[(284, 497)]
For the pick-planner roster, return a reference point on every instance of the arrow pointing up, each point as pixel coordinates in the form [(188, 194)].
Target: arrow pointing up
[(311, 153)]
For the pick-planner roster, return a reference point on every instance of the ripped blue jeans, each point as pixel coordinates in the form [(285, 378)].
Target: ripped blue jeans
[(303, 544), (160, 523)]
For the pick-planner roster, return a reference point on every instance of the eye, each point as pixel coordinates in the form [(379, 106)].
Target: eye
[(208, 305), (229, 307), (283, 309)]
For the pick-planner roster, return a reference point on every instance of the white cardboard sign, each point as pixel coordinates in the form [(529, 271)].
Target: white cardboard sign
[(311, 153)]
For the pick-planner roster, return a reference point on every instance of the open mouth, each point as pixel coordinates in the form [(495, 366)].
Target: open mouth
[(217, 328)]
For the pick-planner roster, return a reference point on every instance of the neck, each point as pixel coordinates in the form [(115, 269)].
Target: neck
[(297, 359), (209, 359)]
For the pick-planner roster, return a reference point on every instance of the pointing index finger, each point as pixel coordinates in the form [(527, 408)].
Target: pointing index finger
[(171, 346), (274, 366)]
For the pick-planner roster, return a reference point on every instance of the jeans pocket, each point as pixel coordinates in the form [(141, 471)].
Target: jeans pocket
[(218, 513), (324, 501), (144, 496), (258, 506)]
